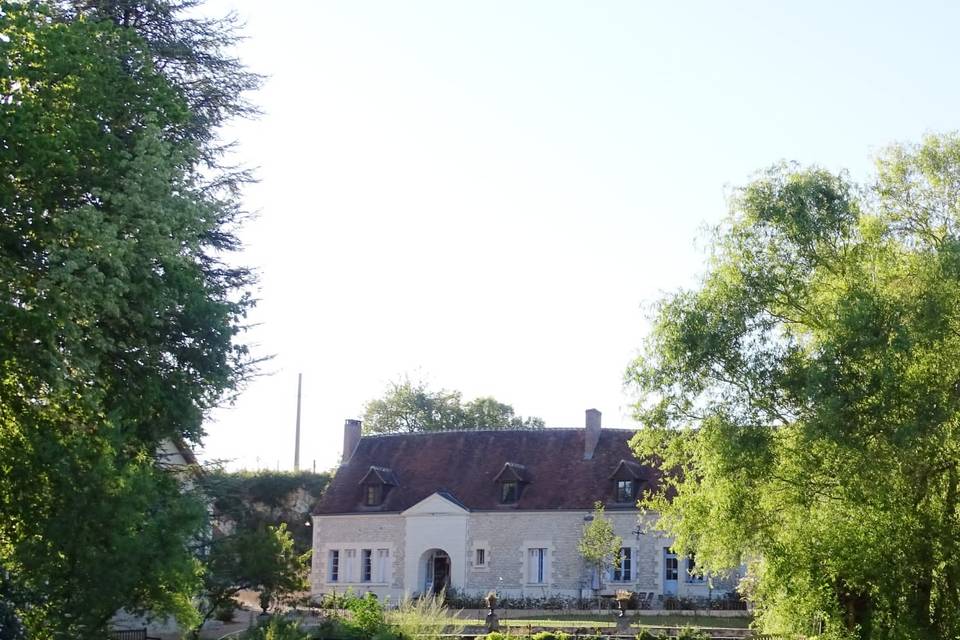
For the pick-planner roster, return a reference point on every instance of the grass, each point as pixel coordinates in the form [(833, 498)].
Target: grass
[(669, 620)]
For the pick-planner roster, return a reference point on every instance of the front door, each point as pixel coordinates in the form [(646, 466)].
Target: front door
[(671, 570), (441, 572)]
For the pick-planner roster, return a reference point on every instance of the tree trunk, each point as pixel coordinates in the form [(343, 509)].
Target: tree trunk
[(947, 595), (857, 609)]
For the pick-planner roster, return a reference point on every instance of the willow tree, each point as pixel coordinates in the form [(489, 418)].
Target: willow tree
[(804, 398)]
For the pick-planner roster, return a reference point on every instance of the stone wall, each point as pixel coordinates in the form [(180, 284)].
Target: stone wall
[(358, 532), (506, 538)]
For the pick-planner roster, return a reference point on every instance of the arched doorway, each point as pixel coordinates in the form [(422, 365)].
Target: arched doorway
[(435, 569)]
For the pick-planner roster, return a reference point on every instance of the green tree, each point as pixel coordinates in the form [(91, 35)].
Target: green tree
[(262, 560), (118, 319), (803, 401), (599, 546), (487, 413), (192, 52), (409, 407)]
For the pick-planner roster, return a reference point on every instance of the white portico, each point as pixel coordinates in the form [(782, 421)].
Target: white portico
[(436, 545)]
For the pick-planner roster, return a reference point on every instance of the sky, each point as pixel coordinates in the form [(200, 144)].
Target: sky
[(492, 196)]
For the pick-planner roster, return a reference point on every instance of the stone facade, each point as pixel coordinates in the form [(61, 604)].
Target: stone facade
[(505, 538)]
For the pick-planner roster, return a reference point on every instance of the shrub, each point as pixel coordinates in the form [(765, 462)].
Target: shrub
[(427, 618), (278, 629), (385, 634), (457, 599), (367, 615), (226, 611), (334, 629), (692, 633)]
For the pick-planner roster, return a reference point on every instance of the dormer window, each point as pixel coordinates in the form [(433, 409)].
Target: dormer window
[(376, 483), (626, 479), (509, 492), (512, 478)]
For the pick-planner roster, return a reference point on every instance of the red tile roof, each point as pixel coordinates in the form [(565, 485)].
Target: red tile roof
[(465, 465)]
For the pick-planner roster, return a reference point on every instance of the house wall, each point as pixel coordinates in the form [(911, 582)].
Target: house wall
[(505, 537), (358, 532)]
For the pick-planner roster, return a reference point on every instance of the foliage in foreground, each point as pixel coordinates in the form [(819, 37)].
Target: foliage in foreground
[(409, 407), (427, 618), (120, 318), (261, 559), (278, 628), (805, 399)]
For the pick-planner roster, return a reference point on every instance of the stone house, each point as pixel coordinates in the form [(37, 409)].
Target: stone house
[(490, 510)]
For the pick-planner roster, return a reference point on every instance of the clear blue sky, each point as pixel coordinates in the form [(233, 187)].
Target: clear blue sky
[(492, 194)]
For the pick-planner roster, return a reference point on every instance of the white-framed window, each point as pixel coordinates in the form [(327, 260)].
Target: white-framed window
[(537, 565), (366, 565), (624, 572), (333, 566), (670, 565), (694, 575), (480, 558), (625, 491), (383, 566)]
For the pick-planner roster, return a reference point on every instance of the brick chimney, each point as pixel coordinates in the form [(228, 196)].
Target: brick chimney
[(351, 438), (592, 434)]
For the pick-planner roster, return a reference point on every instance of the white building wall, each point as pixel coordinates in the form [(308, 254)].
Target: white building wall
[(431, 531)]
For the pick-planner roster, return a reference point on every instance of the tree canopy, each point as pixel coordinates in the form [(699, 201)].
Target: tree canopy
[(409, 407), (119, 315), (804, 399), (262, 559)]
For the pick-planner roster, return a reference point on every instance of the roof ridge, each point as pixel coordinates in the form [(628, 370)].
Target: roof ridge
[(543, 430)]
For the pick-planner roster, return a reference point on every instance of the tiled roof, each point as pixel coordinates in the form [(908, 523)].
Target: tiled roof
[(465, 465)]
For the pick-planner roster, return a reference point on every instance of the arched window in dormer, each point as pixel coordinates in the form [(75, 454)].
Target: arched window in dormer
[(373, 496), (376, 483), (511, 480)]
